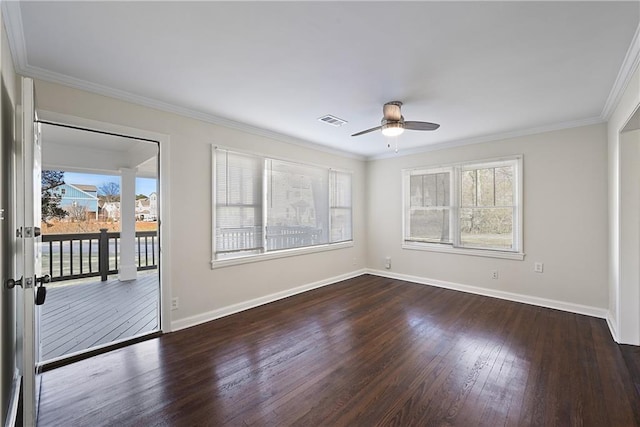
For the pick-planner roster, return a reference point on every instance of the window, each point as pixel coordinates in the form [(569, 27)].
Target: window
[(468, 208), (238, 205), (265, 205), (340, 206)]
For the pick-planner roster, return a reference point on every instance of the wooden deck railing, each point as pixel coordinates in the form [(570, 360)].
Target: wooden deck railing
[(74, 256), (230, 240)]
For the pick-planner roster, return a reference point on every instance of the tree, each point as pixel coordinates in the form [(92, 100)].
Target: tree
[(77, 213), (109, 192), (50, 198)]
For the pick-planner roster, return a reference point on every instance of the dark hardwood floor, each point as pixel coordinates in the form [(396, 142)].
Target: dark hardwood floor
[(631, 356), (363, 352)]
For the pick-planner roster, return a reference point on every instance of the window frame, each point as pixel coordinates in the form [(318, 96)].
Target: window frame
[(280, 253), (456, 246)]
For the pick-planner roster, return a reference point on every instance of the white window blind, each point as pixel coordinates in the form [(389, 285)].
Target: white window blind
[(297, 211), (267, 205), (340, 205), (238, 204)]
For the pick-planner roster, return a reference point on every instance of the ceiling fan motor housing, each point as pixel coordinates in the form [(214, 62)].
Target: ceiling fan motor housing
[(393, 123)]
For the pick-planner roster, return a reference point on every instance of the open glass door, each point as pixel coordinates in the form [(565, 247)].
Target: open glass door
[(29, 234)]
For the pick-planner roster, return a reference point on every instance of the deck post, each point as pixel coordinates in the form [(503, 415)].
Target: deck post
[(103, 254), (128, 268)]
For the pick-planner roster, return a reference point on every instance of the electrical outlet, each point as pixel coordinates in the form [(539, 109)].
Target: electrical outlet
[(387, 263), (538, 267), (174, 303), (355, 261), (494, 274)]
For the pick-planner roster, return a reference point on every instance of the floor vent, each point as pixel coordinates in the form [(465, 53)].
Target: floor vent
[(332, 120)]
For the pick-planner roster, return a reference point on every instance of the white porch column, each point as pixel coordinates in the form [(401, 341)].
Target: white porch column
[(128, 269)]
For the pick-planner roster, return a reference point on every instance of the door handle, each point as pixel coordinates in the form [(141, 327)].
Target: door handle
[(41, 294), (41, 291), (10, 283), (44, 279)]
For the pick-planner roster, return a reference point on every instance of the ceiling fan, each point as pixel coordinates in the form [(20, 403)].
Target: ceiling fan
[(393, 123)]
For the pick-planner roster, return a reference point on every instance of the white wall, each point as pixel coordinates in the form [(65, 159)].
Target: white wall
[(629, 262), (204, 293), (565, 221), (622, 304)]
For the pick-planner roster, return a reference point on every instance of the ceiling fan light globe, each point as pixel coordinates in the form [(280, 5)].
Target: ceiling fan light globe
[(392, 129)]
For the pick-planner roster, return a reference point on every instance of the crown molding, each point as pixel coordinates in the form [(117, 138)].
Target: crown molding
[(15, 33), (491, 138), (629, 66)]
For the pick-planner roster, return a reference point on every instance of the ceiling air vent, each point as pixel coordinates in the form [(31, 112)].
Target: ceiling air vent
[(332, 120)]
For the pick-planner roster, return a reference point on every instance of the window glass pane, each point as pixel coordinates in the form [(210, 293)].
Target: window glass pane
[(484, 187), (340, 224), (468, 183), (297, 208), (238, 226), (340, 204), (429, 225), (416, 190), (486, 227), (430, 189), (504, 186), (340, 189), (443, 189), (487, 187)]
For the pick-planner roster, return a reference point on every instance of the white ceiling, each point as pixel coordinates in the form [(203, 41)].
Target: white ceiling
[(480, 69), (77, 150)]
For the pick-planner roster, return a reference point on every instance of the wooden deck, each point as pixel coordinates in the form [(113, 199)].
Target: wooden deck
[(89, 313)]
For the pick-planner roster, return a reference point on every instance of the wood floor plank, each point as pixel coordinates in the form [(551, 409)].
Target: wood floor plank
[(364, 352)]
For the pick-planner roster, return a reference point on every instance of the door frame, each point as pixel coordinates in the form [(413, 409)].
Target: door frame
[(164, 225)]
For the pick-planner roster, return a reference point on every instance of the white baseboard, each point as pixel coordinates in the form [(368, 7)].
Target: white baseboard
[(245, 305), (611, 322), (510, 296)]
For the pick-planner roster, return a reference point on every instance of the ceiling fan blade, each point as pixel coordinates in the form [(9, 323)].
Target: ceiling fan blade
[(421, 126), (367, 131)]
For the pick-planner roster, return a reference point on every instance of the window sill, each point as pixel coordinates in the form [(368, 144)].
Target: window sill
[(279, 254), (518, 256)]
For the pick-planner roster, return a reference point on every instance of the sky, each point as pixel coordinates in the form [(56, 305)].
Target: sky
[(144, 186)]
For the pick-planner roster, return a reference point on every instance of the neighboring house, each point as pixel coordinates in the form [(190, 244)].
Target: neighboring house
[(79, 199), (147, 208), (111, 211)]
